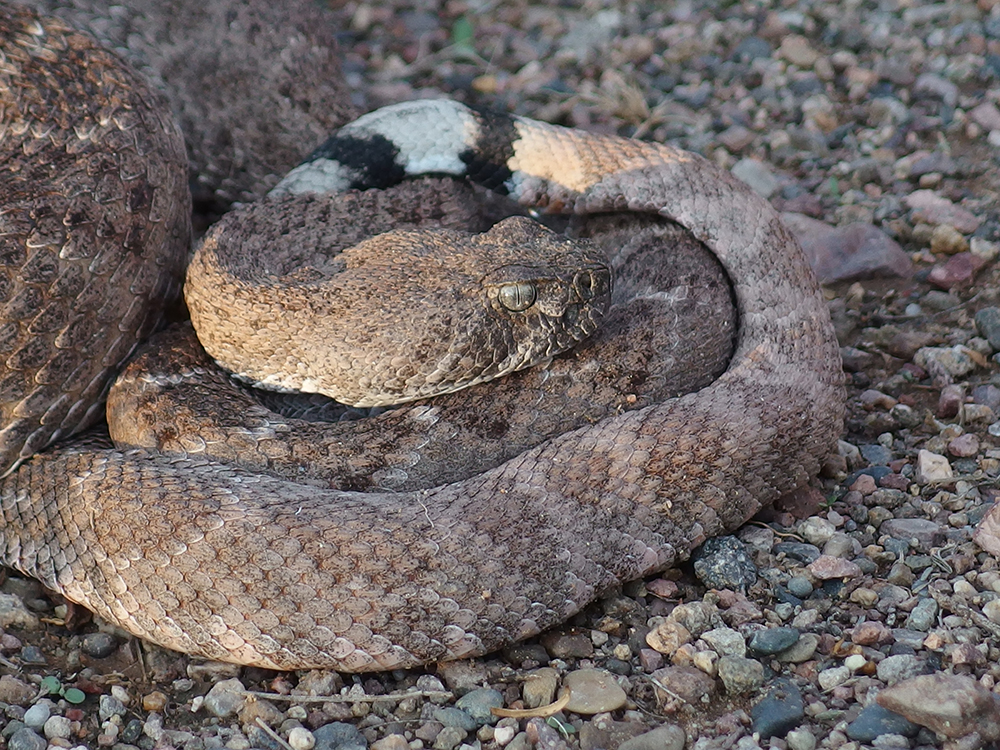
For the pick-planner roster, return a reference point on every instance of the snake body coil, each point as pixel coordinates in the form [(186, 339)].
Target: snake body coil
[(246, 567)]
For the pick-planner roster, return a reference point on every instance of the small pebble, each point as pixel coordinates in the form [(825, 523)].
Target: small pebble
[(781, 709), (800, 586), (339, 736), (830, 678), (893, 669), (225, 698), (539, 688), (724, 563), (725, 641), (773, 640), (36, 716), (98, 645), (593, 691), (477, 704), (800, 739), (58, 727), (740, 675), (874, 720), (666, 737), (301, 738), (25, 739)]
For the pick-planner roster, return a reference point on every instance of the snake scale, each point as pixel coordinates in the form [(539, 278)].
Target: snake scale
[(247, 566)]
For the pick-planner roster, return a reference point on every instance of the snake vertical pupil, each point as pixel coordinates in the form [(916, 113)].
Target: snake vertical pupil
[(517, 297), (584, 284)]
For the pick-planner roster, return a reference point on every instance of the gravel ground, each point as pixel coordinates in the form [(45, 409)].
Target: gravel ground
[(880, 120)]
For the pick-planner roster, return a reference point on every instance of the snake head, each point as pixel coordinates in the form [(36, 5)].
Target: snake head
[(479, 307), (552, 295)]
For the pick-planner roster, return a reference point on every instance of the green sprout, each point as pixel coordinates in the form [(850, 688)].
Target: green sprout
[(55, 687)]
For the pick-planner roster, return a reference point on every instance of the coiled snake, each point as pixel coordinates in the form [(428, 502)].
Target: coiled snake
[(236, 564)]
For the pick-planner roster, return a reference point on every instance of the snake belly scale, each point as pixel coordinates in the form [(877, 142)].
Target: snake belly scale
[(245, 567)]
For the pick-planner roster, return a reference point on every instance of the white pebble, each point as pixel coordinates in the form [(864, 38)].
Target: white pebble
[(301, 738), (854, 662), (800, 739), (830, 678), (503, 735)]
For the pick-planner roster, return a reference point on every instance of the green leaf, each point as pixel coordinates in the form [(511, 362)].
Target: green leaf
[(565, 728), (74, 695), (51, 684), (462, 33)]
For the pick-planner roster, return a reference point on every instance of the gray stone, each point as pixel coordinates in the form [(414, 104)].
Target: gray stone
[(455, 717), (773, 640), (802, 650), (781, 709), (725, 642), (36, 716), (339, 736), (925, 532), (449, 738), (988, 325), (800, 551), (724, 563), (26, 739), (477, 704), (109, 706), (740, 675), (666, 737), (58, 727), (13, 613), (800, 739), (923, 616), (896, 668), (799, 586), (874, 721), (225, 698), (98, 645)]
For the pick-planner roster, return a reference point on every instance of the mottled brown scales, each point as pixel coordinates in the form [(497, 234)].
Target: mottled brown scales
[(255, 85), (235, 564), (94, 228)]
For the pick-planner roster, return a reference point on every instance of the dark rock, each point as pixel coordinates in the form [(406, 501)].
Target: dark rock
[(988, 325), (751, 48), (875, 720), (32, 655), (724, 563), (339, 736), (773, 640), (568, 645), (875, 454), (804, 553), (98, 645), (780, 710), (26, 739)]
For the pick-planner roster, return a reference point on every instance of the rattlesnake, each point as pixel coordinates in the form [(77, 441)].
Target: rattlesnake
[(243, 566)]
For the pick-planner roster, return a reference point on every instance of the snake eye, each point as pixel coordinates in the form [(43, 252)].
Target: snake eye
[(517, 297), (584, 284)]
